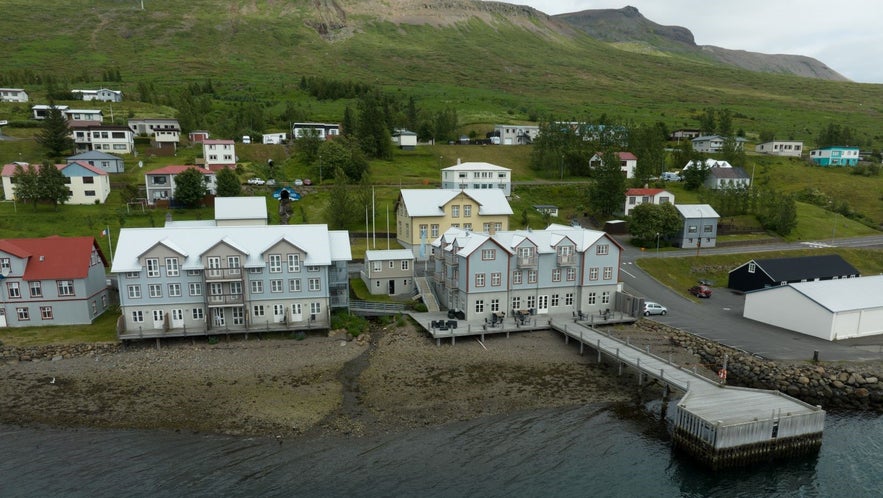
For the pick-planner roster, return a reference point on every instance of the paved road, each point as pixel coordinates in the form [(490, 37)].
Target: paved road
[(720, 317)]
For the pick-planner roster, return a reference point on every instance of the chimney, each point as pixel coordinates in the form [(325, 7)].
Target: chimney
[(458, 160)]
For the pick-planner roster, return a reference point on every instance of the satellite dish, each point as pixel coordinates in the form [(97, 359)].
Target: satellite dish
[(140, 164)]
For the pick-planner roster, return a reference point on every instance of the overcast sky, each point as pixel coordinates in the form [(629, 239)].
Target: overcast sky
[(846, 35)]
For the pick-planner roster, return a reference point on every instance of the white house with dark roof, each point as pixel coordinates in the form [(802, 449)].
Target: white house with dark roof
[(828, 309), (87, 184), (715, 143), (721, 178), (389, 272), (102, 95), (561, 269), (787, 148), (477, 175), (186, 279), (424, 214), (118, 139)]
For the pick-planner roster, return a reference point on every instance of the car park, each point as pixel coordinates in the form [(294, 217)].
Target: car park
[(256, 181), (700, 290), (651, 308), (271, 182), (298, 182)]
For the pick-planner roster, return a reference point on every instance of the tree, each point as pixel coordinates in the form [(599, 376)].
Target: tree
[(228, 183), (52, 185), (372, 126), (55, 135), (343, 155), (777, 212), (648, 220), (341, 208), (27, 184), (607, 193), (647, 143), (308, 145), (190, 188), (695, 175)]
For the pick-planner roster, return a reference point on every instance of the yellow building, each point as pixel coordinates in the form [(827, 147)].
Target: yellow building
[(424, 214)]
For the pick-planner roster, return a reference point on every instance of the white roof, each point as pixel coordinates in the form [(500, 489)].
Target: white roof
[(545, 241), (431, 202), (389, 254), (322, 246), (711, 163), (241, 208), (845, 294), (476, 166), (690, 211)]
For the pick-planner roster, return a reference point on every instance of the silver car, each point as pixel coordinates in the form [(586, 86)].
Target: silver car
[(651, 308)]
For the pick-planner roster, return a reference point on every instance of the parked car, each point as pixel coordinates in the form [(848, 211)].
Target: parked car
[(298, 182), (700, 290), (271, 182), (307, 181), (651, 308), (671, 177), (256, 181)]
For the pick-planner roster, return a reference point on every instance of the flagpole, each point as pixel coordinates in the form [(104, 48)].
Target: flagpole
[(109, 241), (373, 222), (387, 227)]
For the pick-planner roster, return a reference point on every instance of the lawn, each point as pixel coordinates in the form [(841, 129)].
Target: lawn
[(103, 329)]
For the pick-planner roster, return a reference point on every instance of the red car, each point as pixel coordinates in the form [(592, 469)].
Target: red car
[(700, 291)]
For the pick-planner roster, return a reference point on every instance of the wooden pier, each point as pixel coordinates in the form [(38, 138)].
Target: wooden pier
[(719, 425)]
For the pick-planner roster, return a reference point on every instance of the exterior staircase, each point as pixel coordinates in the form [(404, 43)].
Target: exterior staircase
[(426, 293)]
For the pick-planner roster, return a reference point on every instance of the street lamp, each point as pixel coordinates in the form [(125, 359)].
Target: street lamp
[(657, 244)]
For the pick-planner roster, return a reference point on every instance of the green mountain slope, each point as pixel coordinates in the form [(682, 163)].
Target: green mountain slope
[(493, 62)]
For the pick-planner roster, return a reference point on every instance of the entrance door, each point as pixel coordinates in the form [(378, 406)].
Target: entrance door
[(392, 287), (177, 319), (218, 317), (158, 319), (2, 317), (297, 312), (542, 305), (278, 313)]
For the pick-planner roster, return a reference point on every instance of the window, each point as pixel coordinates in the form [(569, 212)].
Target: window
[(236, 288), (531, 276), (152, 267), (134, 291), (257, 310), (496, 279), (593, 273), (254, 271), (238, 316), (406, 264), (495, 304), (294, 285), (233, 264), (479, 279), (313, 268), (276, 285), (293, 263), (434, 230), (14, 291), (516, 303), (531, 302), (65, 287), (315, 308), (314, 285), (486, 227), (172, 269), (132, 274), (691, 229), (555, 300), (467, 210), (556, 275), (5, 266), (154, 290), (593, 297), (498, 227), (752, 267), (257, 287), (602, 249), (138, 316), (568, 299), (174, 290), (195, 289), (467, 227), (46, 312), (214, 266), (424, 231), (392, 264), (631, 200), (377, 266), (89, 193), (455, 211), (605, 297), (516, 277), (198, 314), (608, 272), (275, 263), (23, 314), (707, 228)]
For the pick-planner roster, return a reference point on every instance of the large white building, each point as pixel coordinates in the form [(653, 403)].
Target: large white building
[(196, 277), (828, 309), (477, 175)]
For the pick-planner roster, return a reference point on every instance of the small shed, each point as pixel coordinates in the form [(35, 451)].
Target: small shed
[(406, 140), (760, 273)]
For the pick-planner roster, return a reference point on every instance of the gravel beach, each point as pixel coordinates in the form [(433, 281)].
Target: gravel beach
[(396, 378)]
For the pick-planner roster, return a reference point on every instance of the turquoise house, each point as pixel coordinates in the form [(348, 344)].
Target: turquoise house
[(835, 156)]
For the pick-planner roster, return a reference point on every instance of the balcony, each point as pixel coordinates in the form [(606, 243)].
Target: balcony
[(222, 274), (451, 282), (452, 260), (526, 261), (225, 300), (567, 260)]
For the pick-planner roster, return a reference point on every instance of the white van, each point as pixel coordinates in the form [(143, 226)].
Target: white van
[(246, 139)]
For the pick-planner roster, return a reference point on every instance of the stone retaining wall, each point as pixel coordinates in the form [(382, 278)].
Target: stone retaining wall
[(828, 385)]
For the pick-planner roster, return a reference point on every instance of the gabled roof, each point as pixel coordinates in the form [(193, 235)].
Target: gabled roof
[(389, 254), (622, 156), (475, 166), (690, 211), (218, 142), (645, 191), (728, 173), (9, 169), (710, 163), (176, 169), (54, 257), (322, 246), (805, 267), (845, 294), (431, 202), (93, 155), (545, 241), (241, 208)]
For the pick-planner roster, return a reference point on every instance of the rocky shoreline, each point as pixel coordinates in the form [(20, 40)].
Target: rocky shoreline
[(392, 379)]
